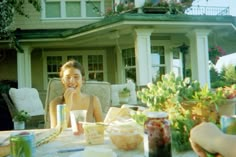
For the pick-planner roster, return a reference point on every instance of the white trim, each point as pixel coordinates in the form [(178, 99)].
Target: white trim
[(83, 9), (20, 70), (24, 68), (63, 9), (45, 81), (43, 10)]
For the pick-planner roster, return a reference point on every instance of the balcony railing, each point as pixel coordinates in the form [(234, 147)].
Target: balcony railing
[(206, 10)]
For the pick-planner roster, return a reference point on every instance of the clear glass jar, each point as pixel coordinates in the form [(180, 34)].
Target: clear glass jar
[(157, 135)]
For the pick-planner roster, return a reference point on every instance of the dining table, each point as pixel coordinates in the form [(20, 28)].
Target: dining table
[(66, 144)]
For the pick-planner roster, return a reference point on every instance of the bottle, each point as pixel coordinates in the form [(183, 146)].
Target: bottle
[(61, 116), (157, 135)]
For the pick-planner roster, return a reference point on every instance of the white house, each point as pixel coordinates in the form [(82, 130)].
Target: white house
[(136, 45)]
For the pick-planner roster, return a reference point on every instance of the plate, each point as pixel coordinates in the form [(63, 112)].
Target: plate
[(80, 154)]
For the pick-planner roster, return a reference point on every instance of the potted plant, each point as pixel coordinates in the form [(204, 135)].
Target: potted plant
[(160, 7), (169, 7), (229, 101), (215, 53), (185, 101), (124, 95), (20, 119)]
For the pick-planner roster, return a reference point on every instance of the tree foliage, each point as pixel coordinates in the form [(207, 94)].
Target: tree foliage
[(7, 10)]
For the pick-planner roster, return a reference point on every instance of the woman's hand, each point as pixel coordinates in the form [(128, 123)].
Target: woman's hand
[(71, 96), (203, 137), (197, 149)]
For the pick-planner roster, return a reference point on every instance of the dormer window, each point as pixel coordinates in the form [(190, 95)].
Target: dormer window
[(72, 9)]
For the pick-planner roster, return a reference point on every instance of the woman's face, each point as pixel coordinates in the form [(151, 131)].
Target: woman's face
[(72, 78)]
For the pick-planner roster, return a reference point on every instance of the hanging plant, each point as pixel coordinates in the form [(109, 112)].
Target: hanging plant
[(215, 53)]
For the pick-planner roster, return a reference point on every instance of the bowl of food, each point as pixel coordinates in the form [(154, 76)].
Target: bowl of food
[(125, 135)]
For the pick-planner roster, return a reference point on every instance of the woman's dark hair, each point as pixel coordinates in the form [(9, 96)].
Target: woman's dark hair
[(72, 64)]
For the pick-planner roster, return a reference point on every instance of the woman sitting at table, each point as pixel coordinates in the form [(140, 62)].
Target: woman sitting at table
[(72, 78), (213, 140)]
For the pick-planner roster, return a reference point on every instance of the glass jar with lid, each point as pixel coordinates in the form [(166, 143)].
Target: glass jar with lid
[(157, 135)]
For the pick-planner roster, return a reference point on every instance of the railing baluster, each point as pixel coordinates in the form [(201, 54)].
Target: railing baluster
[(207, 10)]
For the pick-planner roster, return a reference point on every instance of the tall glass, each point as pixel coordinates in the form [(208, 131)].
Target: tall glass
[(61, 116), (22, 144)]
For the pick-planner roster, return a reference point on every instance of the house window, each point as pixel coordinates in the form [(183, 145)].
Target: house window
[(158, 62), (128, 56), (95, 67), (53, 66), (61, 9)]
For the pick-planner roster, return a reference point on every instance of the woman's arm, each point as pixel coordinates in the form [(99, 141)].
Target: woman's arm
[(227, 145), (213, 140), (97, 109)]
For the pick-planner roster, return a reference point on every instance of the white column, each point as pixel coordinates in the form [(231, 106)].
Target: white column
[(24, 68), (20, 69), (199, 56), (143, 56)]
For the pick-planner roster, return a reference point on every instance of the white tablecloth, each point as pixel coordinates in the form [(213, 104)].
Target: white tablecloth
[(67, 140)]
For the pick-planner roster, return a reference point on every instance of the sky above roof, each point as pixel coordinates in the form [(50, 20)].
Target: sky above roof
[(222, 3)]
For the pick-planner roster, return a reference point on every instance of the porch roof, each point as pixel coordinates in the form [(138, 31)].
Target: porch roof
[(129, 19)]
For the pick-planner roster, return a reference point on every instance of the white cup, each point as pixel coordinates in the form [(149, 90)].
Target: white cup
[(77, 118)]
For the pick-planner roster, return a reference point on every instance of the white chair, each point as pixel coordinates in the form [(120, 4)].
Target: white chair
[(28, 99)]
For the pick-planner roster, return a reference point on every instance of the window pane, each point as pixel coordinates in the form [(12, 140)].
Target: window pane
[(95, 67), (53, 66), (130, 73), (156, 59), (96, 76), (93, 9), (53, 76), (157, 72), (73, 9), (158, 55), (128, 56), (158, 62), (176, 62), (77, 58), (53, 9)]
